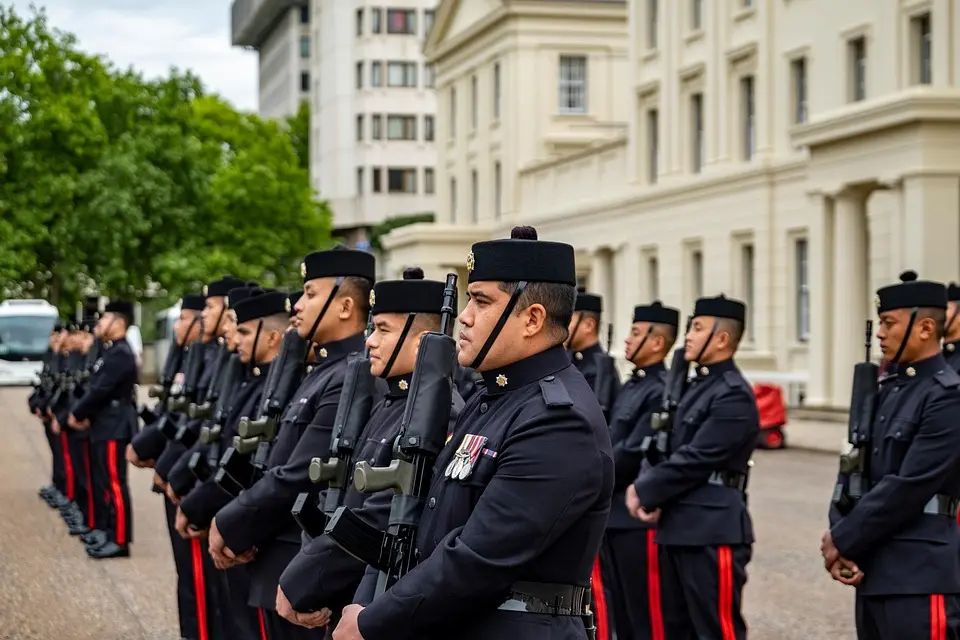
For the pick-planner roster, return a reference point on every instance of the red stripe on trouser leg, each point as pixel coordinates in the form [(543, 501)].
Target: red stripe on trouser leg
[(725, 601), (91, 522), (116, 495), (263, 625), (67, 464), (938, 617), (199, 588), (653, 586), (599, 601)]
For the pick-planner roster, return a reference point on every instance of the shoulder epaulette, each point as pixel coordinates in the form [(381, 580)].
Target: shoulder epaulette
[(948, 378), (554, 393)]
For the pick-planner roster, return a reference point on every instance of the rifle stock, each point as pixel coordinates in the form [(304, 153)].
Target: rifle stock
[(656, 448)]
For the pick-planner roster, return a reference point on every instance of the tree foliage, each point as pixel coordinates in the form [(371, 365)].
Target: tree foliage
[(126, 186)]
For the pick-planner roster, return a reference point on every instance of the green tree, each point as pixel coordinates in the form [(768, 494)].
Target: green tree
[(299, 127)]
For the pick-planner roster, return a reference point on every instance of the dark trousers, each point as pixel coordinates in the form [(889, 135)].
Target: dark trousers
[(702, 589), (279, 629), (898, 617), (81, 472), (244, 621), (630, 566), (58, 476), (111, 496)]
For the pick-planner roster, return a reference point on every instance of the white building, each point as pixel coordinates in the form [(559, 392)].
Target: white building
[(796, 155), (280, 32)]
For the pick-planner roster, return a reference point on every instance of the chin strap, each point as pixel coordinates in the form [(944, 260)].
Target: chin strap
[(396, 349), (504, 316), (323, 312), (646, 336)]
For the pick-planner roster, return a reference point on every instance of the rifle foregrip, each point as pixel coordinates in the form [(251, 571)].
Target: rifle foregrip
[(246, 446), (324, 470), (369, 479), (209, 435), (204, 410), (358, 538)]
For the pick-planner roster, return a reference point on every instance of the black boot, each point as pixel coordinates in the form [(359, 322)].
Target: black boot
[(94, 539), (109, 550)]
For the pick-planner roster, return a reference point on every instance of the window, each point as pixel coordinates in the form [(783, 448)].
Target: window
[(402, 21), (304, 81), (401, 74), (428, 132), (428, 16), (359, 22), (401, 180), (747, 285), (453, 112), (376, 126), (360, 128), (697, 137), (858, 69), (428, 185), (803, 290), (453, 199), (496, 91), (696, 265), (922, 45), (376, 20), (304, 46), (573, 84), (359, 181), (429, 77), (377, 177), (401, 127), (497, 191), (652, 19), (473, 103), (359, 75), (376, 74), (748, 116), (696, 15), (653, 145), (474, 196), (798, 75), (653, 277), (305, 15)]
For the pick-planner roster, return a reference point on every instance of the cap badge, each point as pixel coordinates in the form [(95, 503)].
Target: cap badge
[(501, 380), (286, 305), (403, 385), (876, 301), (205, 290), (373, 298), (303, 269), (471, 262)]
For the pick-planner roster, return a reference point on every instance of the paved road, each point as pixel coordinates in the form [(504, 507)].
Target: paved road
[(50, 590)]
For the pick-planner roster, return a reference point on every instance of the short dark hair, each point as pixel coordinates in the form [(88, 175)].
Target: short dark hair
[(425, 322), (732, 327), (276, 322), (557, 299), (359, 290), (584, 315), (668, 331), (939, 317)]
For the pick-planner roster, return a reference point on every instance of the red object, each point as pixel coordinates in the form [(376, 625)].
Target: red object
[(770, 404), (653, 586), (599, 601), (67, 464), (938, 618), (199, 588), (725, 602)]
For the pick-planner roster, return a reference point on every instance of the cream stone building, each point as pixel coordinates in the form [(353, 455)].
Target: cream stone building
[(793, 154)]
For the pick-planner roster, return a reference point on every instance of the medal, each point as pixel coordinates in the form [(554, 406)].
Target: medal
[(458, 467), (466, 470), (449, 470)]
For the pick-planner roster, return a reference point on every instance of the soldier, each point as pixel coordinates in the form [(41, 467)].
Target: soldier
[(56, 490), (705, 532), (507, 541), (630, 556), (899, 542), (323, 578), (585, 350), (332, 313), (951, 338), (109, 411)]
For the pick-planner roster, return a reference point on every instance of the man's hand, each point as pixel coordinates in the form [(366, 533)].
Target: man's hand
[(348, 629), (828, 550), (223, 556), (174, 498), (159, 482), (649, 516), (309, 620), (635, 509), (79, 425), (846, 572), (133, 458), (55, 426)]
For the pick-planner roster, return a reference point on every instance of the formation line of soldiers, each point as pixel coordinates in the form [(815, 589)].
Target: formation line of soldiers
[(326, 481)]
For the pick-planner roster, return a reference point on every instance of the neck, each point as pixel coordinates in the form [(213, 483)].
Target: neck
[(715, 358), (923, 354), (643, 363), (587, 343), (341, 331), (269, 356)]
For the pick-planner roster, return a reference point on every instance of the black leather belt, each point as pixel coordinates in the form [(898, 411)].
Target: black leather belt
[(942, 505), (547, 598), (731, 479)]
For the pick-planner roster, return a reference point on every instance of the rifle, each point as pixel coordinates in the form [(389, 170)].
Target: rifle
[(854, 465), (423, 433), (205, 409), (606, 371), (353, 413), (656, 448), (192, 371), (162, 391), (202, 465)]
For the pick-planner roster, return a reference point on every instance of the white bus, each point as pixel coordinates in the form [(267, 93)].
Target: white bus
[(165, 321), (25, 327)]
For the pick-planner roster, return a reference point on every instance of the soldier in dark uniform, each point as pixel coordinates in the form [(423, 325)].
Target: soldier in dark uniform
[(630, 556), (323, 578), (705, 532), (900, 541), (951, 338), (109, 411), (37, 402), (468, 382), (521, 494), (585, 350), (333, 314)]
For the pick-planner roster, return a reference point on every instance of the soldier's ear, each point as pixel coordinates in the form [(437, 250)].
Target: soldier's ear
[(535, 319)]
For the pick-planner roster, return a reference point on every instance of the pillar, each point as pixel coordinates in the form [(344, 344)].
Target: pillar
[(820, 281), (932, 230), (601, 279), (626, 263), (850, 291)]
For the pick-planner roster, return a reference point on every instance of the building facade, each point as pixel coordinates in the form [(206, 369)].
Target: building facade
[(792, 161), (279, 30)]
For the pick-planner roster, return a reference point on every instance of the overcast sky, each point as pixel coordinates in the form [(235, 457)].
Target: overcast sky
[(153, 35)]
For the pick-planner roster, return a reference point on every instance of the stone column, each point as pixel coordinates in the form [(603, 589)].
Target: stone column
[(850, 291), (932, 234), (601, 279), (820, 282), (627, 295)]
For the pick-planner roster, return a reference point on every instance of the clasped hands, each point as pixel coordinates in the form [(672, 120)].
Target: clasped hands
[(223, 556), (78, 425), (635, 509), (840, 569)]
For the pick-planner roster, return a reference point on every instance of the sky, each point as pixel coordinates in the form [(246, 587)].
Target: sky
[(153, 35)]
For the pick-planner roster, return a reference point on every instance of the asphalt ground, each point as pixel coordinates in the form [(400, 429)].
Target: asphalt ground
[(50, 590)]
